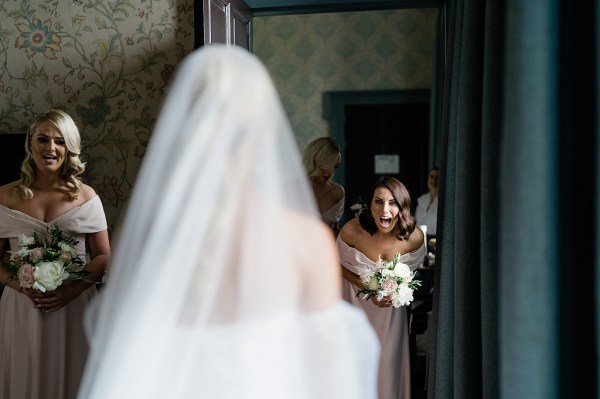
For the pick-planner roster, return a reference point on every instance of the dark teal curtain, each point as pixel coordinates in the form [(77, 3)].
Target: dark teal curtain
[(515, 310), (596, 63)]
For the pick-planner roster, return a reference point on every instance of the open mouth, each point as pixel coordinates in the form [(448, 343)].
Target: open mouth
[(385, 222), (49, 157)]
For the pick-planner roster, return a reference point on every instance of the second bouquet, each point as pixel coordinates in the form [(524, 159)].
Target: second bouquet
[(392, 279)]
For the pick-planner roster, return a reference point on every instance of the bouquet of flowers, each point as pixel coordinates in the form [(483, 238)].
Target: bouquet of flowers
[(359, 207), (46, 259), (392, 279)]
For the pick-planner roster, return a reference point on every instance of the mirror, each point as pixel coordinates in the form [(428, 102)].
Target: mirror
[(370, 57), (348, 66)]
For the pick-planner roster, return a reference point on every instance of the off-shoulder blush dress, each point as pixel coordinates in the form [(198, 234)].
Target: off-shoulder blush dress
[(333, 215), (42, 356), (389, 323)]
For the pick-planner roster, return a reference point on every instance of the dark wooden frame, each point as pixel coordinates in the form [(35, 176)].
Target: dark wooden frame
[(278, 7)]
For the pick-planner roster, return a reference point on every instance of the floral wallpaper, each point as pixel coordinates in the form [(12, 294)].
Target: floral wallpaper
[(311, 54), (109, 64), (106, 63)]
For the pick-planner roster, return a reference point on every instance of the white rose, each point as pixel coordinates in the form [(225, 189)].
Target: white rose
[(387, 272), (23, 252), (67, 248), (403, 271), (24, 240), (66, 252), (358, 209), (372, 284), (49, 275), (403, 296)]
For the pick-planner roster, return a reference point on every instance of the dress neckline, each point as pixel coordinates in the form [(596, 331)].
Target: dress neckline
[(373, 261), (53, 219)]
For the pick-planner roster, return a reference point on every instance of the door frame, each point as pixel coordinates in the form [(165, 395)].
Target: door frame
[(334, 111), (287, 7), (236, 14)]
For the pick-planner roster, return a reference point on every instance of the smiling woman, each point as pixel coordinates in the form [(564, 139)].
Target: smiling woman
[(42, 344), (385, 230), (52, 147)]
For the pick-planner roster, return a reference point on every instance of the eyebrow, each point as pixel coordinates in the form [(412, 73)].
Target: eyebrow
[(390, 200), (45, 135)]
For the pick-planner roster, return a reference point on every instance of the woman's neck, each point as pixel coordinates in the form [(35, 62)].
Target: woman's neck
[(319, 183), (48, 182)]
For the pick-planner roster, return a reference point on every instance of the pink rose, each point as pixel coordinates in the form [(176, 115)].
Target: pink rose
[(389, 285), (36, 254), (25, 276)]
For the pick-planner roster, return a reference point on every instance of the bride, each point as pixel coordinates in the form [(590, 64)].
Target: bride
[(225, 283)]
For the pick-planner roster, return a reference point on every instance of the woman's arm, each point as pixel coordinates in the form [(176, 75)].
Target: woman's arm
[(352, 278), (99, 248), (6, 275), (351, 235)]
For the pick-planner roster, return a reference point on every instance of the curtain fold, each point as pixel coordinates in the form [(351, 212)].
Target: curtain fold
[(437, 85), (465, 329), (515, 311), (597, 194), (529, 204)]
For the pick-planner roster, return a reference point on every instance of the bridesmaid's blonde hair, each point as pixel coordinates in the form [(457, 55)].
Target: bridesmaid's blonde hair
[(320, 152), (71, 168)]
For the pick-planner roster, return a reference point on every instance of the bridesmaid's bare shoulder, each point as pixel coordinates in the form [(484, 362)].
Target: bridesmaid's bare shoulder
[(415, 240), (337, 191), (352, 232), (87, 192)]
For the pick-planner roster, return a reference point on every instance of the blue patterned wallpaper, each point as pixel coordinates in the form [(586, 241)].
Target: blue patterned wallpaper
[(310, 54)]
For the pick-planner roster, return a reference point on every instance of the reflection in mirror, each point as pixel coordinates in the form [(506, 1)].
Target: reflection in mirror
[(361, 52), (311, 54)]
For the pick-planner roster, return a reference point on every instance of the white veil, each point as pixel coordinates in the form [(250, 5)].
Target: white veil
[(224, 282)]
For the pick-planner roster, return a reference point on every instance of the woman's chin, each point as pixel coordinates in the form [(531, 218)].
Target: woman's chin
[(386, 228)]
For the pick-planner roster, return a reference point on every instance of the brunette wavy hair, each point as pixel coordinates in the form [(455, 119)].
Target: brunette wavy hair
[(71, 168), (406, 220)]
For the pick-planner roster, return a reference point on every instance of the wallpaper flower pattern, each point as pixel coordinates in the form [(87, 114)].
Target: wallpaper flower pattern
[(311, 54), (107, 63)]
